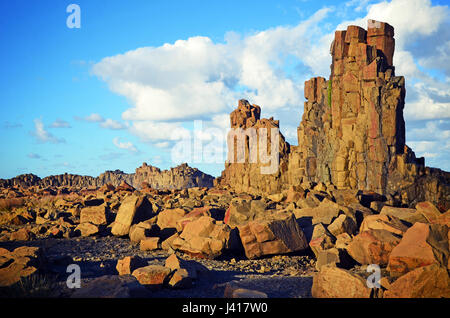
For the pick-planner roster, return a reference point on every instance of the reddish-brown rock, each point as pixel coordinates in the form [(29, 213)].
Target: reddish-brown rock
[(87, 229), (169, 217), (152, 275), (429, 211), (383, 222), (205, 237), (270, 237), (422, 245), (134, 209), (149, 244), (21, 262), (94, 214), (334, 282), (128, 264), (430, 281), (372, 247)]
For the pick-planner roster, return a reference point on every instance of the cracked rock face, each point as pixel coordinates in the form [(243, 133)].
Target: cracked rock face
[(352, 132)]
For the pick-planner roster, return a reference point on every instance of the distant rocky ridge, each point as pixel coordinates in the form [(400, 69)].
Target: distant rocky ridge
[(180, 177)]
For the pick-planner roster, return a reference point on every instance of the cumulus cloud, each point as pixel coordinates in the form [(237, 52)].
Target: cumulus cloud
[(106, 123), (125, 145), (59, 123), (112, 124), (94, 118), (43, 135), (198, 79)]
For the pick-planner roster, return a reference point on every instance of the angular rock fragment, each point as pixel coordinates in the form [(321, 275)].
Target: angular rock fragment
[(430, 281), (422, 245), (373, 247), (134, 209), (334, 282), (271, 237)]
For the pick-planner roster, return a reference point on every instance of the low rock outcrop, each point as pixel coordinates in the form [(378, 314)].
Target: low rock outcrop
[(182, 176)]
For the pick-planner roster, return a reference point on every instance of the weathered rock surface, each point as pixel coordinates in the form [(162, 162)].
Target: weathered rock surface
[(422, 245), (268, 237), (21, 262), (134, 209), (94, 214), (334, 282), (430, 281), (128, 264), (206, 237), (373, 247), (153, 276)]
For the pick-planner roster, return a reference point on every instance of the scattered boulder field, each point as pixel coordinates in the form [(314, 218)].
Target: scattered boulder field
[(170, 243)]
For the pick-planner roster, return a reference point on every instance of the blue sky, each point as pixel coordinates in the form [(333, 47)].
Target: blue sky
[(124, 87)]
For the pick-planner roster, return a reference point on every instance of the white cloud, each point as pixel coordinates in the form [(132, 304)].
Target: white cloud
[(43, 135), (95, 118), (153, 132), (125, 145), (59, 123), (425, 107), (112, 124), (106, 123), (199, 79), (162, 144)]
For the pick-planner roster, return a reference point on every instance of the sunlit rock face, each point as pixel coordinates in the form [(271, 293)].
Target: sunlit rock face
[(352, 132)]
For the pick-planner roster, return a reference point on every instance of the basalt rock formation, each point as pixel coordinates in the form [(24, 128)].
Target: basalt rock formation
[(352, 133), (179, 177)]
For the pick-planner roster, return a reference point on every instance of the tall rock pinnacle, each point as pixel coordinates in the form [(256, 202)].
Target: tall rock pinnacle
[(352, 133)]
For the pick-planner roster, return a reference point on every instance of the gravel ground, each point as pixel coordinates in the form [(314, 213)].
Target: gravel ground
[(286, 276)]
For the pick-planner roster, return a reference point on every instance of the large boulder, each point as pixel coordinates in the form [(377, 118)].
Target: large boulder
[(128, 264), (422, 245), (134, 209), (154, 276), (87, 229), (94, 214), (321, 239), (21, 262), (342, 224), (169, 217), (430, 281), (334, 282), (143, 230), (383, 222), (429, 211), (206, 237), (270, 237), (242, 211), (410, 216), (372, 246)]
